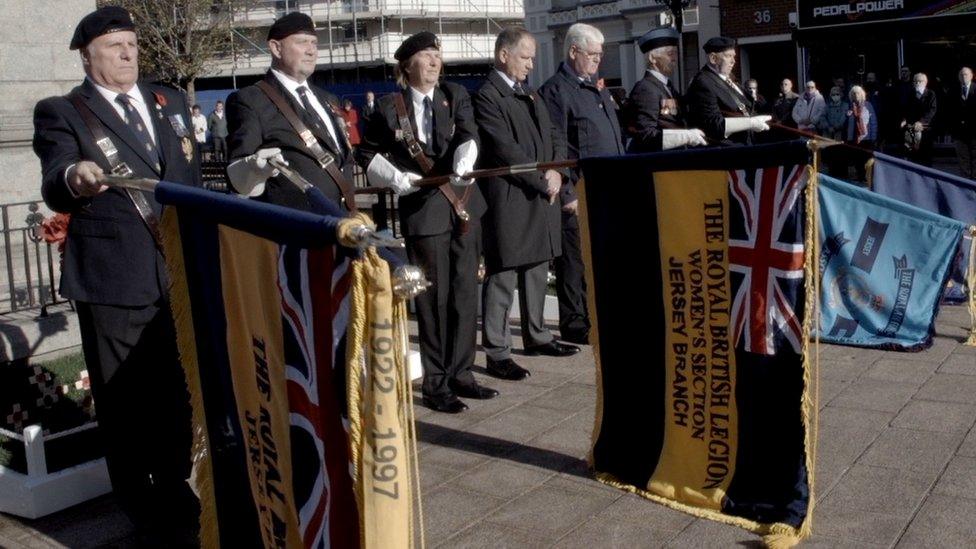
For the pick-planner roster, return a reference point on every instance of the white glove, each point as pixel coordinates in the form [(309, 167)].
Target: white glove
[(672, 139), (249, 174), (382, 173), (741, 124), (464, 158)]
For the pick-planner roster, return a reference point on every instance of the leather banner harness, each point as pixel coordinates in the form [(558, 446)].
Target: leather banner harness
[(417, 152), (117, 166), (325, 159)]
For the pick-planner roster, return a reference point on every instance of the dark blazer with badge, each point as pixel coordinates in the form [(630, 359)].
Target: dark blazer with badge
[(585, 115), (254, 122), (521, 227), (110, 257), (427, 211), (709, 101), (652, 108)]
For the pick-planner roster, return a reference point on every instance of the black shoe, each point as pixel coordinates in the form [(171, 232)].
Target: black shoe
[(577, 337), (507, 369), (449, 404), (553, 348), (473, 390)]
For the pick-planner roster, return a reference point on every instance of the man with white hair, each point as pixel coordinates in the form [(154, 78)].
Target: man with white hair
[(654, 120), (716, 104), (963, 119), (585, 115)]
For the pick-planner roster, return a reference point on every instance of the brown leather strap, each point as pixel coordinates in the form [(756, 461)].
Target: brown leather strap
[(117, 166), (417, 152), (325, 159)]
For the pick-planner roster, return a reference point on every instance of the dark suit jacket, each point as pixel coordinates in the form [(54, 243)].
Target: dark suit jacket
[(254, 122), (920, 109), (644, 118), (963, 113), (218, 124), (709, 101), (110, 257), (586, 116), (521, 227), (424, 212)]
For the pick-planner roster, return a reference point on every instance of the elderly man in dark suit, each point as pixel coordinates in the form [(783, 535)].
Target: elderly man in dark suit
[(265, 121), (587, 117), (113, 268), (918, 112), (522, 226), (716, 104), (428, 128), (962, 105), (654, 118)]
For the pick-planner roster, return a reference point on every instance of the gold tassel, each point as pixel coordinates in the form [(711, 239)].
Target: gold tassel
[(971, 282), (179, 302), (780, 541), (355, 364), (869, 173)]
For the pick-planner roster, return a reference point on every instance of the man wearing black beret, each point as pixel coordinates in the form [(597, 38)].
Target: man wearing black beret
[(266, 121), (113, 269), (654, 119), (427, 129), (716, 104)]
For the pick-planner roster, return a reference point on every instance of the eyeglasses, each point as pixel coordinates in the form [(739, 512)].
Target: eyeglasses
[(591, 55)]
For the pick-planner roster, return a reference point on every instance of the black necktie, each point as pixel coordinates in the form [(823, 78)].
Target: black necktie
[(965, 92), (429, 126), (519, 90), (136, 124), (670, 88), (316, 119)]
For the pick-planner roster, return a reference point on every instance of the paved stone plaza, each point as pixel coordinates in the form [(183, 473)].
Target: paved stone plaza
[(896, 465)]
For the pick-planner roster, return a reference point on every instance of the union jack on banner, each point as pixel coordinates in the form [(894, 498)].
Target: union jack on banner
[(315, 373), (766, 252)]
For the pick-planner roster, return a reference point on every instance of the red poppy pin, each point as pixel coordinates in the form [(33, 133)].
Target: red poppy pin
[(160, 99)]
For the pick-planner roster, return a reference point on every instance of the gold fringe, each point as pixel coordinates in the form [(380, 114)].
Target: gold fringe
[(587, 253), (179, 300), (811, 369), (355, 366), (400, 323), (869, 173), (780, 530), (971, 282), (345, 227)]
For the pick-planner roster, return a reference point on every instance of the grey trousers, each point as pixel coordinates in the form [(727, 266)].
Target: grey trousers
[(497, 295)]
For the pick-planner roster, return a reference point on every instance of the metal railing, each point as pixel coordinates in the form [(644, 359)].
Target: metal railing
[(30, 266)]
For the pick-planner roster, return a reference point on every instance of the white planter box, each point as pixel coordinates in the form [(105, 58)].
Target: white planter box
[(39, 493)]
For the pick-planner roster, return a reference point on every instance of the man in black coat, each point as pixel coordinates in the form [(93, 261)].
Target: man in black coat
[(522, 226), (114, 271), (962, 105), (259, 130), (654, 118), (716, 104), (587, 117), (918, 112), (428, 128)]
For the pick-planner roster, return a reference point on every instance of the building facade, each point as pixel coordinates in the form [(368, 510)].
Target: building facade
[(357, 38)]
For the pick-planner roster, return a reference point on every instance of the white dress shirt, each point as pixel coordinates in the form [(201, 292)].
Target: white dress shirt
[(292, 87), (138, 102), (418, 112)]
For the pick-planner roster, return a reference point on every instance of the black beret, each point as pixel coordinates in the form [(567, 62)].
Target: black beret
[(418, 42), (657, 38), (292, 23), (718, 44), (101, 21)]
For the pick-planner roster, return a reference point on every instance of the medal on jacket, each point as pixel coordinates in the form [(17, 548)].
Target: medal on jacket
[(669, 106), (179, 127)]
